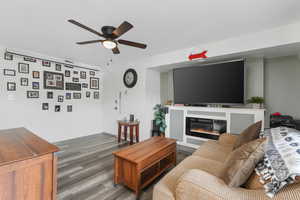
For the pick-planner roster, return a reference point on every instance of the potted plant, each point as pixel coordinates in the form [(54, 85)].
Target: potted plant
[(257, 102), (159, 118)]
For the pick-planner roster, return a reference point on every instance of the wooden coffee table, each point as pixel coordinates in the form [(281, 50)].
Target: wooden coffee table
[(138, 165)]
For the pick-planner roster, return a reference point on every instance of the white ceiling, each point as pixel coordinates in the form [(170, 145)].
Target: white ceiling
[(41, 26)]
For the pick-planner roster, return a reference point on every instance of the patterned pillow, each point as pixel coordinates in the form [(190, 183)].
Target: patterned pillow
[(281, 163)]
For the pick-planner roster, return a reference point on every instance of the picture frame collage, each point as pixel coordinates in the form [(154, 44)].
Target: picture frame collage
[(54, 77)]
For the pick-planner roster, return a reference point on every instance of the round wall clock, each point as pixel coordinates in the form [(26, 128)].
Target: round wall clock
[(130, 78)]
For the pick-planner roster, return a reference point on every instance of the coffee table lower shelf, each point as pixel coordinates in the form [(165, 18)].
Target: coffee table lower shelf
[(152, 172)]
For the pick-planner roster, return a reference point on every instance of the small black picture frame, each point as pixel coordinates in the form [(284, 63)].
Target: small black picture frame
[(75, 80), (76, 95), (84, 85), (92, 73), (67, 73), (33, 94), (46, 63), (88, 94), (11, 86), (49, 95), (36, 74), (35, 85), (94, 83), (57, 108), (82, 74), (58, 67), (9, 72), (75, 72), (45, 106), (96, 95), (24, 81), (8, 56), (68, 96), (29, 59), (69, 108), (60, 98), (23, 68)]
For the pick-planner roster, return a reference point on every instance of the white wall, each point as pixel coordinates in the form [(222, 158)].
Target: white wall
[(138, 100), (18, 111)]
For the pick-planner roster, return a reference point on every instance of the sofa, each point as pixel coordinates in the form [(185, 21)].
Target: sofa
[(197, 177)]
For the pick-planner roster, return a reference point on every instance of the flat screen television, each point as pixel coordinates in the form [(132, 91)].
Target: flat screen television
[(221, 83)]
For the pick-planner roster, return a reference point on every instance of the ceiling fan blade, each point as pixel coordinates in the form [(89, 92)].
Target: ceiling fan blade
[(123, 28), (116, 50), (85, 27), (133, 44), (89, 42)]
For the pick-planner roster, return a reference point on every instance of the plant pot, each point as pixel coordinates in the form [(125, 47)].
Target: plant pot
[(256, 106)]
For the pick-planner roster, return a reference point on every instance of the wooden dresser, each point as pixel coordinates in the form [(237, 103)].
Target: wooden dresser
[(27, 166)]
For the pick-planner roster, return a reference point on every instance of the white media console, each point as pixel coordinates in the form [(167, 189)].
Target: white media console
[(236, 119)]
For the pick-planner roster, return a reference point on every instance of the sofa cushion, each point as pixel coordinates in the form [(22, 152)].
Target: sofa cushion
[(167, 185), (199, 185), (241, 162), (213, 150), (249, 134)]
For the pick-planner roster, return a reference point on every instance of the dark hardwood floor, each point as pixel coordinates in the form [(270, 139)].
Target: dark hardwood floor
[(85, 169)]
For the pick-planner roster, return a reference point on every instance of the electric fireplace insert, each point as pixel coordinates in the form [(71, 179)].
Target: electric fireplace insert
[(205, 128)]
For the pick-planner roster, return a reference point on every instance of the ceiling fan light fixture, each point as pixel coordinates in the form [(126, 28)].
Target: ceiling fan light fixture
[(109, 44)]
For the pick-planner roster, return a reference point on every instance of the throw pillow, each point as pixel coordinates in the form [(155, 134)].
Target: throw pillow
[(241, 162), (249, 134)]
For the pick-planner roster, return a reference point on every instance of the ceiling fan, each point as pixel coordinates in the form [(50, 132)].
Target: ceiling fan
[(110, 35)]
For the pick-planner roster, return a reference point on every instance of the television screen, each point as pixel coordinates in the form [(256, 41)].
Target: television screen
[(221, 83)]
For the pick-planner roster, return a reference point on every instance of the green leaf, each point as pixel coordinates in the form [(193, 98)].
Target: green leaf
[(157, 113), (161, 129), (157, 122)]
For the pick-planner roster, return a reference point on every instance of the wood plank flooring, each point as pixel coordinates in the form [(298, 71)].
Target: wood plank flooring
[(85, 169)]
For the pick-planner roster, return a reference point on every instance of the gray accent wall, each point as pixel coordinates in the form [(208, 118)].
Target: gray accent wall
[(282, 85)]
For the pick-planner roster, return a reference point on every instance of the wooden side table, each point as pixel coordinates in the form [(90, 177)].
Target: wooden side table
[(132, 126)]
